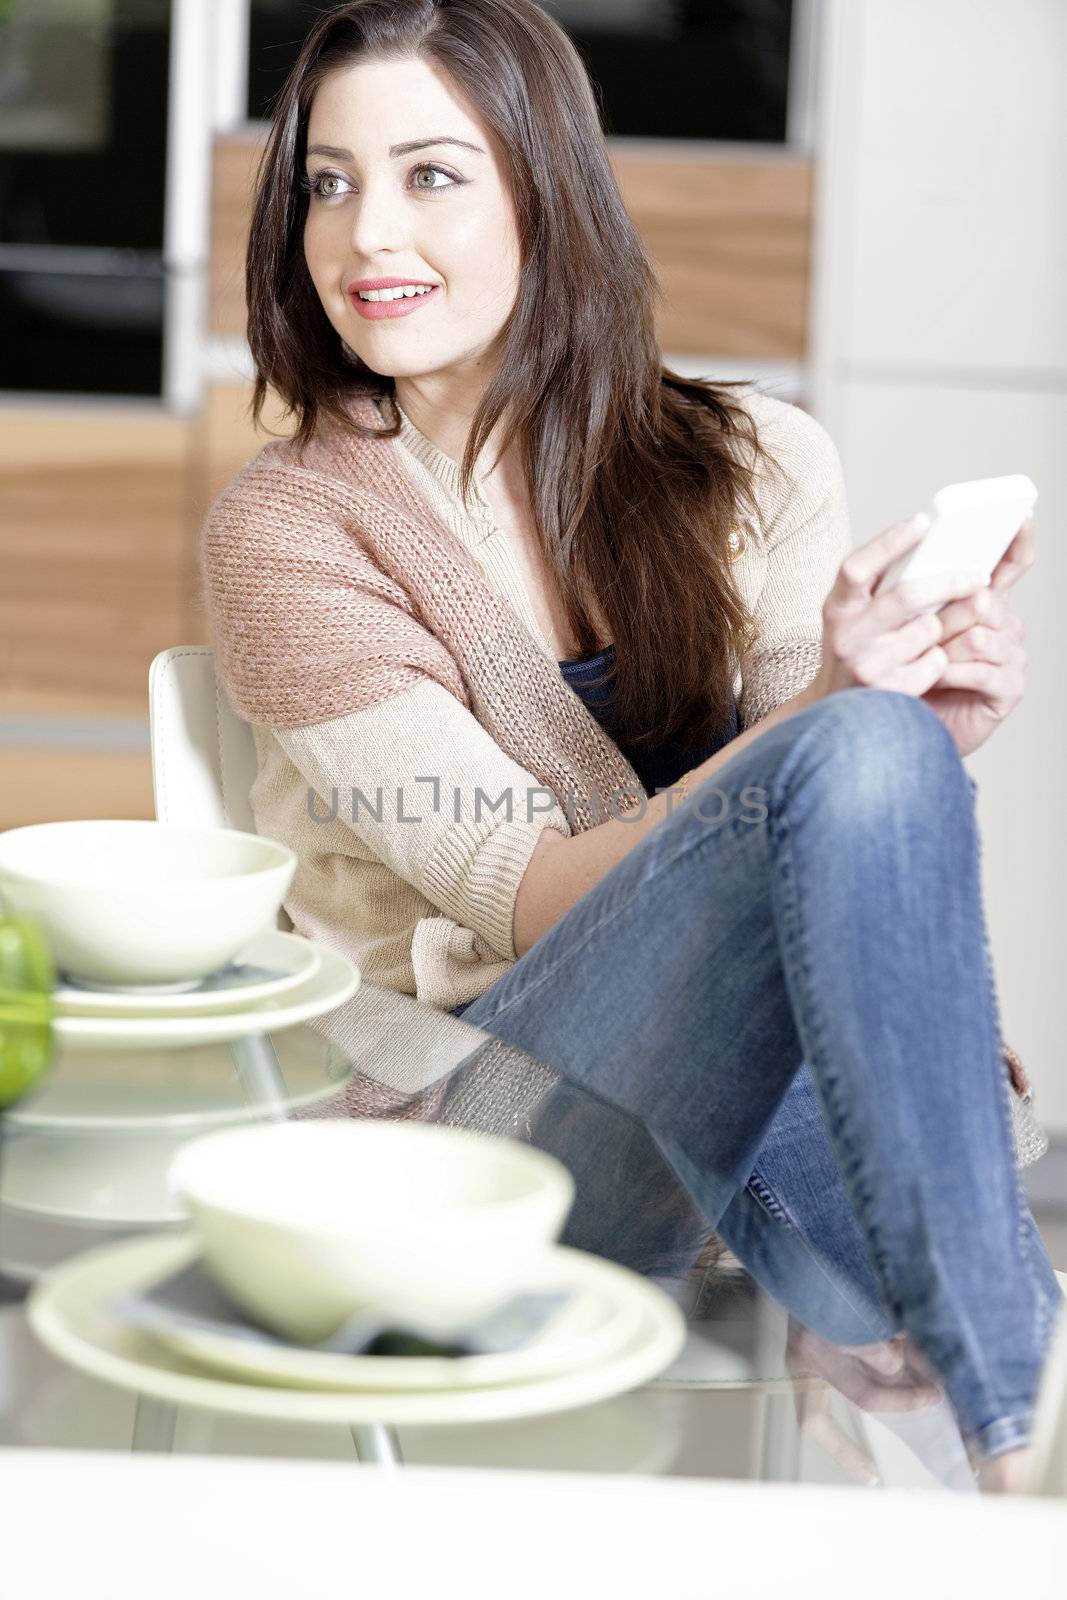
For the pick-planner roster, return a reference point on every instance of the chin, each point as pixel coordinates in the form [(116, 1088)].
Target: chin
[(416, 367)]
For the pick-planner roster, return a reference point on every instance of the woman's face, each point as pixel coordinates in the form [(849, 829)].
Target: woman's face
[(438, 215)]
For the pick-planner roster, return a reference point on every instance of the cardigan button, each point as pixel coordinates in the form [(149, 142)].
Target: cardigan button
[(738, 545)]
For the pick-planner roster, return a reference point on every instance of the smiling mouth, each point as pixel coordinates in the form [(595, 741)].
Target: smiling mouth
[(405, 291), (390, 303)]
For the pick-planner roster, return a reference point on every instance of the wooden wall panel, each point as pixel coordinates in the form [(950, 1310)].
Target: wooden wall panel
[(226, 438), (730, 240), (94, 554), (235, 158), (57, 785), (730, 235)]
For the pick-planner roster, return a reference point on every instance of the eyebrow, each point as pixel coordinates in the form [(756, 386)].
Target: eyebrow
[(407, 149)]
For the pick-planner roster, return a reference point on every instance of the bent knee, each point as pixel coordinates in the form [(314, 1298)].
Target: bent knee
[(878, 746), (879, 715)]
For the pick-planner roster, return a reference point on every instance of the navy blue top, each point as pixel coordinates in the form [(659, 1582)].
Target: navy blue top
[(657, 766)]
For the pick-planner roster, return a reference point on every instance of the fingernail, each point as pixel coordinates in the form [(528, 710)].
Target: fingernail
[(919, 522)]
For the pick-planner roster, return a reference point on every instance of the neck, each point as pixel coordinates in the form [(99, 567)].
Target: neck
[(442, 407)]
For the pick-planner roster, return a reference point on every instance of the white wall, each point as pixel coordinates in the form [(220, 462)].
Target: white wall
[(940, 353)]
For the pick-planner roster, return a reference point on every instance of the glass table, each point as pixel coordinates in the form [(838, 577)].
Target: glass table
[(748, 1394)]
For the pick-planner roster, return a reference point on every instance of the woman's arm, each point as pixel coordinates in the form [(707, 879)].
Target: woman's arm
[(561, 871), (427, 790)]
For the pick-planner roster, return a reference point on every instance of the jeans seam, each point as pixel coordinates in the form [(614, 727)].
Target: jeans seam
[(766, 1197)]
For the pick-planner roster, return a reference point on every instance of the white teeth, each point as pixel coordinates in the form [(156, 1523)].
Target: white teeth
[(406, 293)]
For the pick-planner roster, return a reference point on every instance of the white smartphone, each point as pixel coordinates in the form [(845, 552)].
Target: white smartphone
[(971, 526)]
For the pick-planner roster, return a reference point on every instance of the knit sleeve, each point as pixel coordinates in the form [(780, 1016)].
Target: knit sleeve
[(303, 623), (430, 793), (804, 532)]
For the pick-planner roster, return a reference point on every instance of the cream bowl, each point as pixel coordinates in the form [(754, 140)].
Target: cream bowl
[(129, 903), (306, 1223)]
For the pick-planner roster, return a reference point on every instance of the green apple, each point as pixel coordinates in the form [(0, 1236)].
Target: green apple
[(27, 982)]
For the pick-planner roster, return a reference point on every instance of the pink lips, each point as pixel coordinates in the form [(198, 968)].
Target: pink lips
[(381, 310)]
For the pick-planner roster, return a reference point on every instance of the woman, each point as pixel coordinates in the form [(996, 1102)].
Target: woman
[(510, 560)]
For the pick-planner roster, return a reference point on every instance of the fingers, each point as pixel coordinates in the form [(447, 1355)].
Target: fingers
[(1017, 559), (980, 643), (909, 661), (989, 609), (988, 605), (915, 596), (1000, 686), (894, 642), (868, 561), (863, 566), (987, 656), (900, 648), (853, 628)]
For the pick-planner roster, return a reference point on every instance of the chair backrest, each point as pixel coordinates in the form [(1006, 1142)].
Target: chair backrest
[(203, 755)]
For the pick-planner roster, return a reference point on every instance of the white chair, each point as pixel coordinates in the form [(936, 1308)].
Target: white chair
[(203, 755)]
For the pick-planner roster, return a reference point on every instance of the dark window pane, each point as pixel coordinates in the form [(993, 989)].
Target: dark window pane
[(83, 116), (72, 333), (665, 69)]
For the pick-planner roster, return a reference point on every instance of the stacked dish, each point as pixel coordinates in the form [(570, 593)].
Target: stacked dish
[(295, 1298), (276, 981), (166, 935)]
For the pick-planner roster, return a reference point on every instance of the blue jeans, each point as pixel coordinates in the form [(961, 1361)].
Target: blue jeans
[(788, 983)]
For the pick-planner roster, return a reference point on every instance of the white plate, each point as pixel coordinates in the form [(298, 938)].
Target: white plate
[(592, 1327), (294, 957), (69, 1313), (336, 980)]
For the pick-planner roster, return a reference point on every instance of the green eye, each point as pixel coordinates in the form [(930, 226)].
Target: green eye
[(327, 177), (432, 173)]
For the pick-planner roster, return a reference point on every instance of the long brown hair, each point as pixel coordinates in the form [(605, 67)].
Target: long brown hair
[(637, 477)]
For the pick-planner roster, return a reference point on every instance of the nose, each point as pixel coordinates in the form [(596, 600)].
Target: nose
[(380, 221)]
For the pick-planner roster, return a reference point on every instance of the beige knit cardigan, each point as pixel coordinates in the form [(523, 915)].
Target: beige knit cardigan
[(376, 635)]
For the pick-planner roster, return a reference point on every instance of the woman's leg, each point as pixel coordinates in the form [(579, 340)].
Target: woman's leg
[(819, 900), (826, 1274), (793, 1227)]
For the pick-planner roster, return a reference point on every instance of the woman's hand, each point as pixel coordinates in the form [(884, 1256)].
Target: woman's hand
[(896, 641), (985, 677)]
